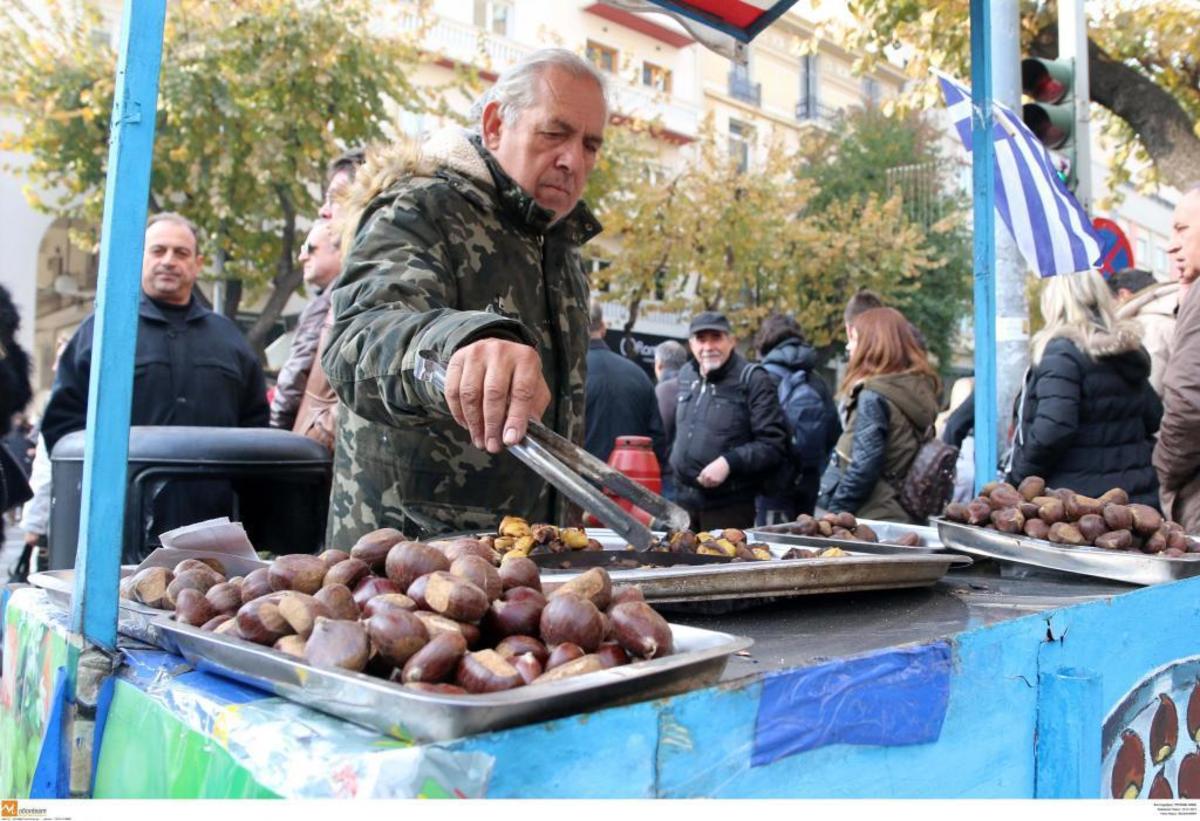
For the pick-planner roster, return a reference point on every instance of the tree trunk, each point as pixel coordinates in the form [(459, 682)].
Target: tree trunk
[(635, 306), (1161, 123), (287, 279)]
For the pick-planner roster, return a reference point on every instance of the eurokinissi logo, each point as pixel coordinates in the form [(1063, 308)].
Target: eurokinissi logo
[(10, 809)]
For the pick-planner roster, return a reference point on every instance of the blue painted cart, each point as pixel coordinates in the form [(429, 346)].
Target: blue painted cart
[(963, 701), (982, 686)]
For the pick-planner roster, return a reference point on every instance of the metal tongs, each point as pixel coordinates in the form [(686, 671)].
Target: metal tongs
[(569, 467)]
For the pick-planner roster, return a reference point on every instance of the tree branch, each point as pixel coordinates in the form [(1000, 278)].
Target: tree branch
[(287, 277)]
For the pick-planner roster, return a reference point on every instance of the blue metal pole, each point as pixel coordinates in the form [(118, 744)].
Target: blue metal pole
[(131, 144), (983, 159)]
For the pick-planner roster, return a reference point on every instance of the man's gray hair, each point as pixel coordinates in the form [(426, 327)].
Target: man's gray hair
[(671, 355), (595, 317), (517, 88), (178, 219)]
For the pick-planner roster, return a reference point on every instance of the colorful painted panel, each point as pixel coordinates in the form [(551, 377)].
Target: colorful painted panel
[(1149, 741)]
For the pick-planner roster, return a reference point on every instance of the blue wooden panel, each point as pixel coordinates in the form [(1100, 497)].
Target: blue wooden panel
[(984, 750), (1125, 638), (608, 754), (102, 514), (1067, 746), (983, 156)]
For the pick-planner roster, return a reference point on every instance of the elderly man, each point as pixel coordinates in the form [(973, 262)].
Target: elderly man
[(467, 248), (730, 433), (322, 261), (1177, 454)]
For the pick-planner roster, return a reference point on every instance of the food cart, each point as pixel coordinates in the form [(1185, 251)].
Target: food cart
[(988, 682)]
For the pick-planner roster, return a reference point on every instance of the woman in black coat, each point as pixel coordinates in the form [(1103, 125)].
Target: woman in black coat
[(15, 393), (1088, 413)]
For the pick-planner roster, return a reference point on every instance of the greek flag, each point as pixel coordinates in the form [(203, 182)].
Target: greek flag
[(1051, 229)]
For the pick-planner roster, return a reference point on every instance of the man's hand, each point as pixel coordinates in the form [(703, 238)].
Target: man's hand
[(493, 386), (714, 473)]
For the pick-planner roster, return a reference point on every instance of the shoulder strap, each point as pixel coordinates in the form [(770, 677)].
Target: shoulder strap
[(747, 371)]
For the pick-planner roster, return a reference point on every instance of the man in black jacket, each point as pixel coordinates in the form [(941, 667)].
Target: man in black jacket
[(730, 433), (620, 397), (191, 366)]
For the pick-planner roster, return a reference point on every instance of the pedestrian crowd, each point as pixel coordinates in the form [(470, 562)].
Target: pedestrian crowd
[(469, 246)]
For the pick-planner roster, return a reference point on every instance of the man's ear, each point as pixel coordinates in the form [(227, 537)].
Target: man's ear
[(491, 125)]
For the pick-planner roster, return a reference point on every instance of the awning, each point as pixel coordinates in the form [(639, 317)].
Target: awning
[(742, 19)]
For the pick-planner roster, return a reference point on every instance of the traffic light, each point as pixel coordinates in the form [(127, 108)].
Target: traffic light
[(1051, 116)]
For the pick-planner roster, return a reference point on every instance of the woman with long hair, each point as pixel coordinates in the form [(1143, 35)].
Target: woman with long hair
[(890, 394), (1088, 414)]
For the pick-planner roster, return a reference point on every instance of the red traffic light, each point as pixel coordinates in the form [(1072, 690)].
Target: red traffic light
[(1040, 80)]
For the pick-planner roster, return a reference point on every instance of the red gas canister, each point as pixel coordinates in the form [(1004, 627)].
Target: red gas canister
[(634, 457)]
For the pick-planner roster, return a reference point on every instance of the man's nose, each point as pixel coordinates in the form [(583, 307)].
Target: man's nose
[(571, 157)]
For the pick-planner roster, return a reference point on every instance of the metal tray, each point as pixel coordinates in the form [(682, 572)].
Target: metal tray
[(698, 661), (747, 581), (134, 619), (931, 542), (1118, 565)]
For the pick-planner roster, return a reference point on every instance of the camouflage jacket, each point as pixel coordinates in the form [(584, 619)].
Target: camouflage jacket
[(446, 250)]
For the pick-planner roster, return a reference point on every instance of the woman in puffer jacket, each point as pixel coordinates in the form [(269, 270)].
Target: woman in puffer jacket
[(1088, 414), (890, 393)]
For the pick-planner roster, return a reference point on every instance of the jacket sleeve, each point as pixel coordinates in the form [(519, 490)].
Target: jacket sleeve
[(868, 448), (666, 408), (1055, 419), (66, 410), (255, 412), (1177, 454), (961, 422), (293, 376), (395, 298), (657, 434), (768, 432)]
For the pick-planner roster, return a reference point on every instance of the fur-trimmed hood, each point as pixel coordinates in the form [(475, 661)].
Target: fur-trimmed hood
[(1161, 299), (456, 156), (1126, 336), (1120, 348)]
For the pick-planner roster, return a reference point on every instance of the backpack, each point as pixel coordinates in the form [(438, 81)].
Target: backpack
[(782, 480), (929, 483), (806, 411)]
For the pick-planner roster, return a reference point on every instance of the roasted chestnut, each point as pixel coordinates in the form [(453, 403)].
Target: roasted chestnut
[(437, 660), (569, 618), (297, 571)]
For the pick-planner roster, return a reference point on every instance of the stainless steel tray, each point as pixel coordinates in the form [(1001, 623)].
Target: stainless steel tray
[(698, 661), (930, 541), (134, 619), (1118, 565), (773, 579)]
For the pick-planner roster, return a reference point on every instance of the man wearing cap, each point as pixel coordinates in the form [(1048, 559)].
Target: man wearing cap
[(730, 433)]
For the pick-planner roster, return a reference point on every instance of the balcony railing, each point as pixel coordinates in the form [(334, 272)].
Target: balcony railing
[(740, 88), (812, 111)]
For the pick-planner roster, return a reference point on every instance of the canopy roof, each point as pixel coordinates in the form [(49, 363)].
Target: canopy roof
[(742, 19)]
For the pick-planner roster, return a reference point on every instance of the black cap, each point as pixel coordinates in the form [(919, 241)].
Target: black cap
[(709, 321)]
